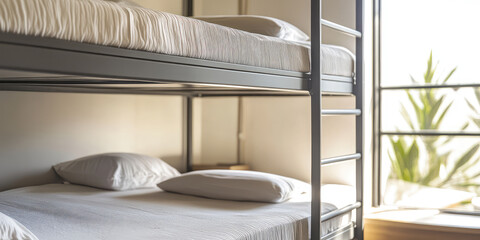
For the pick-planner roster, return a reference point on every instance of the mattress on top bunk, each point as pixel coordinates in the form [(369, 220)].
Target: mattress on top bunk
[(125, 26), (64, 211)]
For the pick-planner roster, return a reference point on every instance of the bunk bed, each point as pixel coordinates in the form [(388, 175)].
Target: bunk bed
[(29, 62)]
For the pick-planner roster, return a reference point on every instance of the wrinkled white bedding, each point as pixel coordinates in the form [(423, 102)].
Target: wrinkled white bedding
[(126, 26), (64, 211), (10, 229)]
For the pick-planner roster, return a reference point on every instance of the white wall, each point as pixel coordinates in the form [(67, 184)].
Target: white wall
[(38, 130)]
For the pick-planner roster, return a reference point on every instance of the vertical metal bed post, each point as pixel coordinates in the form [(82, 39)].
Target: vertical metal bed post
[(188, 132), (377, 107), (187, 7), (316, 118), (358, 91)]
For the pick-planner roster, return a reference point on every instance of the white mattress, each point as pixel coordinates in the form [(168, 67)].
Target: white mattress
[(121, 25), (64, 211)]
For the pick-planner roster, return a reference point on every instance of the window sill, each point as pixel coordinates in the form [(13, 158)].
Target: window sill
[(420, 224)]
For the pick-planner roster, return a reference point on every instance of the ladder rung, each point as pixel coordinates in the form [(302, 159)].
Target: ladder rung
[(341, 28), (337, 78), (333, 112), (340, 211), (331, 160)]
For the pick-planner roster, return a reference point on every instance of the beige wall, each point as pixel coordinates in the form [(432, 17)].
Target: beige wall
[(216, 130), (171, 6), (297, 12), (276, 137), (215, 7), (38, 130), (201, 7)]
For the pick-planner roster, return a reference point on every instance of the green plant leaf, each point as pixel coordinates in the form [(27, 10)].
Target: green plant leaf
[(466, 185), (406, 116), (442, 115), (449, 75), (413, 79), (405, 159), (477, 122), (470, 165), (418, 110), (435, 106), (434, 169), (471, 105), (477, 94), (460, 162), (412, 159), (428, 74)]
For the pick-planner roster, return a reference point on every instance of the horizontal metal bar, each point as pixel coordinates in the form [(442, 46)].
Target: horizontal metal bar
[(337, 78), (345, 232), (432, 133), (252, 95), (341, 28), (332, 112), (331, 160), (16, 57), (406, 87), (341, 211)]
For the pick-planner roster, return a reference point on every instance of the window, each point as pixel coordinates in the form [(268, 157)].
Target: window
[(428, 89)]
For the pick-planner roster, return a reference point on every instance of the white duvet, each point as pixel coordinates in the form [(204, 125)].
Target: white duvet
[(63, 211), (121, 25)]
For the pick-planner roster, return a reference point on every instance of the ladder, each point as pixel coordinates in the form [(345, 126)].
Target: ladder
[(316, 121)]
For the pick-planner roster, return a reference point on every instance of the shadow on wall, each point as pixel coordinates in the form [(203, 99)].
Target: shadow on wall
[(35, 178), (175, 161)]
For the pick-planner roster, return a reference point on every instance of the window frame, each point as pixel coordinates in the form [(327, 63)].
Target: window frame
[(377, 105)]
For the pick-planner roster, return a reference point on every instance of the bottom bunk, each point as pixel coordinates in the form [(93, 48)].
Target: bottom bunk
[(67, 211)]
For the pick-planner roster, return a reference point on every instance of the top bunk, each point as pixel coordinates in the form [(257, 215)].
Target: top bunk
[(100, 46)]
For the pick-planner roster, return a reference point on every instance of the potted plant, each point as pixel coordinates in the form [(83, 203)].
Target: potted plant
[(426, 110)]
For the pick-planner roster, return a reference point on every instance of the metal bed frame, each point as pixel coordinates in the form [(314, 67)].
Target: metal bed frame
[(29, 63)]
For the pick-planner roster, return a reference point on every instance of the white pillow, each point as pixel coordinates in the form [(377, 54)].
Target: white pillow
[(116, 171), (267, 26), (11, 229), (236, 185)]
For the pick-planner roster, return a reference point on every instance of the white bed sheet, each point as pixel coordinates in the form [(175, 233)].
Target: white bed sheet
[(64, 211), (121, 25)]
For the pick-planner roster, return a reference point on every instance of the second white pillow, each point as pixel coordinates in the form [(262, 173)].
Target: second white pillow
[(236, 185), (267, 26)]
